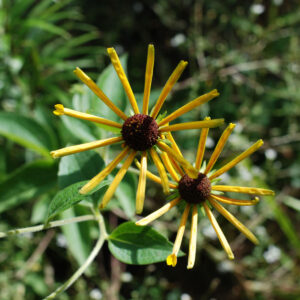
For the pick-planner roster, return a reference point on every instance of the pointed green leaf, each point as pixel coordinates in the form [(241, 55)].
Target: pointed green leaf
[(139, 245)]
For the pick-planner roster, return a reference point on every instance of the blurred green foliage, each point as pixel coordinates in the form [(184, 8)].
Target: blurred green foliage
[(249, 51)]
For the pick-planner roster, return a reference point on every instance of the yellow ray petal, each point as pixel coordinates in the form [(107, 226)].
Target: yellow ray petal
[(175, 147), (123, 78), (155, 178), (172, 259), (235, 161), (188, 107), (233, 220), (167, 163), (148, 78), (98, 92), (61, 110), (106, 171), (176, 166), (84, 147), (193, 173), (193, 125), (201, 146), (221, 143), (235, 201), (113, 186), (167, 88), (218, 231), (243, 190), (158, 213), (140, 195), (193, 238), (161, 170)]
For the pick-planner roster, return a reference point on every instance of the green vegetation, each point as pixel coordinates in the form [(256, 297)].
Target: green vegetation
[(249, 52)]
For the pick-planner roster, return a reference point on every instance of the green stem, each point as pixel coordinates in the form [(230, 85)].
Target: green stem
[(49, 225), (93, 254)]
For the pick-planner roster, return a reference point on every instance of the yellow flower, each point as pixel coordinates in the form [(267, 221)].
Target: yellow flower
[(197, 188), (139, 132)]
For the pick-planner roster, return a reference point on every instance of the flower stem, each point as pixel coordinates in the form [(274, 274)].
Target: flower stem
[(47, 226), (102, 237)]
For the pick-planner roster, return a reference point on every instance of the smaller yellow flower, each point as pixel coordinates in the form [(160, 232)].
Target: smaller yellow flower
[(139, 132), (197, 189)]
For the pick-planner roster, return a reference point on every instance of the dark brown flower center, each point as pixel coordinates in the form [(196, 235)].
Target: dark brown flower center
[(140, 132), (194, 190)]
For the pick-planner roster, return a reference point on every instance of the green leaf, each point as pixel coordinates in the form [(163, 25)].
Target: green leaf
[(126, 194), (139, 245), (78, 167), (26, 132), (68, 197), (78, 234), (26, 183)]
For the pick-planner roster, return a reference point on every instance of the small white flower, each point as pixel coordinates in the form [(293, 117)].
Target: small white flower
[(61, 241), (209, 142), (272, 255), (95, 294), (126, 277), (257, 9), (270, 154), (185, 296), (177, 40)]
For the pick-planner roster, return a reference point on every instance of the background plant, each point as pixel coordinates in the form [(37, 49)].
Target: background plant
[(250, 52)]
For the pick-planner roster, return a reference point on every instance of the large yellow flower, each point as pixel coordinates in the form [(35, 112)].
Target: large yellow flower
[(139, 132), (197, 188)]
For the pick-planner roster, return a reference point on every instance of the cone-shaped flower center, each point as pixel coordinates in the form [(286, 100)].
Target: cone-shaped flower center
[(140, 132), (194, 190)]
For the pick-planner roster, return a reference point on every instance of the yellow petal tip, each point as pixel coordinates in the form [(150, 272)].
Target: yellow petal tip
[(53, 154), (231, 256), (231, 125), (215, 93), (59, 109), (171, 260), (110, 50)]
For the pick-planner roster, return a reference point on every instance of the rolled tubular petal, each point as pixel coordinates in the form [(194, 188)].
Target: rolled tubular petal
[(158, 213), (193, 125), (167, 88), (188, 107), (113, 186), (201, 146), (218, 231), (176, 148), (167, 163), (105, 172), (84, 147), (243, 190), (161, 170), (193, 238), (98, 92), (140, 195), (176, 166), (172, 258), (239, 158), (193, 173), (221, 143), (148, 78), (61, 110), (233, 220), (235, 201), (155, 178), (123, 78)]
